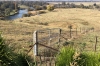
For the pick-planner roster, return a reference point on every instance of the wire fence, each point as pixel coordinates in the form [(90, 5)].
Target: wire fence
[(48, 41)]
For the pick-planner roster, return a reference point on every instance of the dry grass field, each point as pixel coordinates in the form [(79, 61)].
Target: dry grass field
[(18, 33)]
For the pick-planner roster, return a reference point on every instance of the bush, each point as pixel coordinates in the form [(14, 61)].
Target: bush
[(72, 5), (23, 60), (44, 7), (50, 7), (43, 23), (9, 58), (85, 23), (42, 12), (81, 6), (37, 7), (6, 57), (27, 15), (68, 57), (24, 15), (65, 56)]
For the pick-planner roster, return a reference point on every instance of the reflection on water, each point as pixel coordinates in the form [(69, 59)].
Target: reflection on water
[(19, 15)]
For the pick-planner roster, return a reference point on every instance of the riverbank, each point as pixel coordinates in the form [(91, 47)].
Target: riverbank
[(14, 13), (11, 14)]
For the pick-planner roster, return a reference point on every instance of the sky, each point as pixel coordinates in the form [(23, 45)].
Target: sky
[(49, 0)]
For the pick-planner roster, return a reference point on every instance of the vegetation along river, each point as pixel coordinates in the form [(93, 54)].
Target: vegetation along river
[(19, 15)]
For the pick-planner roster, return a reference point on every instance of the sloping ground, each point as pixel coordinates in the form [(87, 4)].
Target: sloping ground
[(63, 17), (18, 33)]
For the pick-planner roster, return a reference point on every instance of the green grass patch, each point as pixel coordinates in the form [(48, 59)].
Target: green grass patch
[(69, 57), (65, 56)]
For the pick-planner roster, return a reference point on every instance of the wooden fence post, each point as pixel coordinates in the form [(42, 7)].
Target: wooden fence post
[(70, 31), (35, 48), (35, 41), (59, 37), (49, 36), (96, 40)]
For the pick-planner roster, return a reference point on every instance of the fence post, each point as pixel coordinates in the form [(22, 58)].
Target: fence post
[(35, 48), (35, 41), (49, 36), (59, 37), (50, 58), (70, 27), (96, 40)]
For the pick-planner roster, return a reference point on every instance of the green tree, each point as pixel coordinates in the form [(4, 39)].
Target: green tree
[(3, 7), (81, 6), (7, 11), (50, 7)]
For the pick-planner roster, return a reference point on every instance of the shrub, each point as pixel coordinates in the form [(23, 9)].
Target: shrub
[(92, 59), (42, 12), (24, 15), (27, 15), (50, 7), (85, 23), (6, 58), (37, 7), (94, 4), (23, 60), (43, 23), (9, 58), (68, 57), (44, 7), (65, 56), (81, 6), (72, 5)]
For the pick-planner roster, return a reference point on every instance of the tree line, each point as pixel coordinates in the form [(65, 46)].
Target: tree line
[(7, 7), (72, 5)]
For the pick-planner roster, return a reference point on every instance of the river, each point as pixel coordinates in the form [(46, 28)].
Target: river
[(19, 15)]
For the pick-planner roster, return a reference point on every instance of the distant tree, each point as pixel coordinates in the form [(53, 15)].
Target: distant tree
[(50, 7), (44, 7), (72, 5), (81, 6), (94, 4), (37, 7), (63, 3), (7, 11), (2, 14), (3, 7)]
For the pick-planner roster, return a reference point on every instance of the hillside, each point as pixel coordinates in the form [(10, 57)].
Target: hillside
[(18, 33)]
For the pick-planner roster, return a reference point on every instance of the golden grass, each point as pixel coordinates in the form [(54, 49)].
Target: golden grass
[(63, 17), (19, 32)]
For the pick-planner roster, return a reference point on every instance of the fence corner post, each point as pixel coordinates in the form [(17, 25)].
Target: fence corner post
[(35, 41)]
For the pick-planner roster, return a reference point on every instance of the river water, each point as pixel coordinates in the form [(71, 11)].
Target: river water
[(19, 15)]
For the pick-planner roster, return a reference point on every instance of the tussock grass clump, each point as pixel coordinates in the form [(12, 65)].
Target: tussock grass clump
[(6, 58), (43, 23), (65, 56), (69, 57), (92, 59), (85, 23)]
